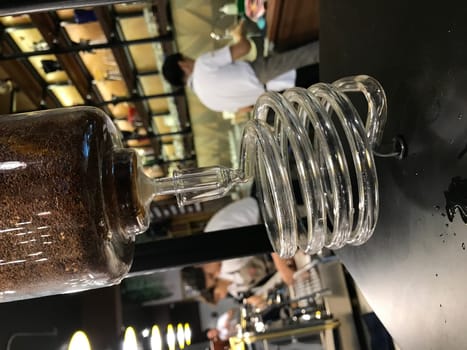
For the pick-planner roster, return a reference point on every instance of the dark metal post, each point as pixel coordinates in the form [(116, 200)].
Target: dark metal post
[(86, 47), (212, 246)]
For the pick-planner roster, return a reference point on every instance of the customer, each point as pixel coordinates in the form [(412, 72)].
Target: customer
[(241, 276), (226, 325), (224, 82)]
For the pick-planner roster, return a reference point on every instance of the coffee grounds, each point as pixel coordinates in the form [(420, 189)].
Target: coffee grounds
[(54, 233)]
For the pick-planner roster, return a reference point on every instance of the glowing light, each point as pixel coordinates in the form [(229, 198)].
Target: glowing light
[(145, 333), (180, 336), (171, 337), (79, 341), (129, 340), (187, 334), (260, 327), (156, 338)]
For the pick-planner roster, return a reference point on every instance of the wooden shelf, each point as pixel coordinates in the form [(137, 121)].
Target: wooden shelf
[(101, 76)]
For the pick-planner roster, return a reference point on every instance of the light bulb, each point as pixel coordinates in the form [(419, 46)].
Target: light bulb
[(129, 340), (79, 341), (180, 336), (187, 334), (156, 339), (171, 337), (145, 333)]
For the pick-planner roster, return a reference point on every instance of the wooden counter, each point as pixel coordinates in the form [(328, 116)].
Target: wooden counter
[(292, 25)]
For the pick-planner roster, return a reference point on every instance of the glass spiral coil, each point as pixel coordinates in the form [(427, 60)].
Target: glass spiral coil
[(318, 135), (316, 138)]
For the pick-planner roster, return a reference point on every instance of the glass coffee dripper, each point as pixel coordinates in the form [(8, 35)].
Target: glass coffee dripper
[(73, 198), (317, 136)]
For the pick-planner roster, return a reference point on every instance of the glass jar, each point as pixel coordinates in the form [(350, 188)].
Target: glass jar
[(72, 199)]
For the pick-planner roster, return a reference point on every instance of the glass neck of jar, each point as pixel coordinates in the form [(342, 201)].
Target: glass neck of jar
[(128, 191)]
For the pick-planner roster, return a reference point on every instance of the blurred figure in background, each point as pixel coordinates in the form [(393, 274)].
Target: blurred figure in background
[(226, 326), (223, 81), (238, 277)]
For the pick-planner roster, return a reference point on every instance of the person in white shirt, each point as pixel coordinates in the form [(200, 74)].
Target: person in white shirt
[(226, 325), (224, 82), (236, 277)]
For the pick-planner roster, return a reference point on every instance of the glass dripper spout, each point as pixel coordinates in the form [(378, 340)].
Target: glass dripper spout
[(199, 185)]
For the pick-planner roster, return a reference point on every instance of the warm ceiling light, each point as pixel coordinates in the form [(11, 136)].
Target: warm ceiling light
[(171, 337), (79, 341), (187, 334), (129, 340), (156, 339), (180, 336)]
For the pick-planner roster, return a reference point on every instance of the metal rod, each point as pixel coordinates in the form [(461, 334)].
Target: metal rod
[(169, 161), (212, 246), (151, 72), (135, 98), (18, 7), (186, 131), (160, 113), (86, 47)]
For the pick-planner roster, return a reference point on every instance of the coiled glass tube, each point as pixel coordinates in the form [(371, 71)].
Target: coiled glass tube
[(301, 133)]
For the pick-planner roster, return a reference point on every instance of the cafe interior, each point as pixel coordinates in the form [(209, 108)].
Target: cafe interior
[(109, 55)]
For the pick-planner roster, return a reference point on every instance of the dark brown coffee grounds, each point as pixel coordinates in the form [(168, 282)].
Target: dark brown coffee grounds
[(55, 233)]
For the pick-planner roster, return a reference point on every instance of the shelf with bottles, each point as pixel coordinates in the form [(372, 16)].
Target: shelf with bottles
[(27, 39)]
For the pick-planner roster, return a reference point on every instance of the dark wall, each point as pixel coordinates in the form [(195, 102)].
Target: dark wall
[(48, 323), (25, 324)]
